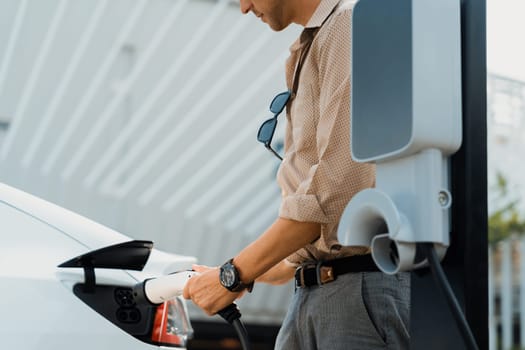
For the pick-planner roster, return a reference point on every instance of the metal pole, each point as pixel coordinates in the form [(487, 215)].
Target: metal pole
[(469, 172), (506, 293), (492, 321), (466, 262)]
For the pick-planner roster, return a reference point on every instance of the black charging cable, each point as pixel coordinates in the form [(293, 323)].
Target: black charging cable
[(442, 282), (232, 315)]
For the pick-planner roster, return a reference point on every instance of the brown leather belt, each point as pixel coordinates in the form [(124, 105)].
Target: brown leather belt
[(317, 273)]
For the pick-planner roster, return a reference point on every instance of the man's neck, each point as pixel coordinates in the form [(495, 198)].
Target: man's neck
[(304, 9)]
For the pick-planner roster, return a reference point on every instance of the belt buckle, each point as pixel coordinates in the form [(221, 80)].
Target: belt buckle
[(299, 283), (324, 274)]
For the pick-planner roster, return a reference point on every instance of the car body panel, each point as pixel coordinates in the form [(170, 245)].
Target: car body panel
[(39, 309)]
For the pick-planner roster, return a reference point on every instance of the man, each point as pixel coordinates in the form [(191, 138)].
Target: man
[(341, 300)]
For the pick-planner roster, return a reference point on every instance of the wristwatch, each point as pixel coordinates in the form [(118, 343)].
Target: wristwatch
[(229, 277)]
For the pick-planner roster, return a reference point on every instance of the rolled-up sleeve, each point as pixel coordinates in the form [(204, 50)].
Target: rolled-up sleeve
[(303, 207)]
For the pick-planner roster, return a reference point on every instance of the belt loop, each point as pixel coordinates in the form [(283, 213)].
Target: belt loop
[(318, 272), (299, 282)]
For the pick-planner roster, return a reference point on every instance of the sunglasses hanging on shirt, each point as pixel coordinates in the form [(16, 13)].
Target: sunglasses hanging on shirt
[(267, 129)]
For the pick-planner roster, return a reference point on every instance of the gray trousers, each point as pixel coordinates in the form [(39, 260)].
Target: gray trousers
[(364, 310)]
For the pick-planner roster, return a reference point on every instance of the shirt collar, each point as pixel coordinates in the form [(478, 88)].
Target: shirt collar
[(323, 10)]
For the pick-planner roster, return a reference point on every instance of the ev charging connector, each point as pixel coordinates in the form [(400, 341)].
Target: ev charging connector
[(157, 290), (406, 118)]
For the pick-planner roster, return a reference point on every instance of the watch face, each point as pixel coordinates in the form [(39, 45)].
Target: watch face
[(228, 276)]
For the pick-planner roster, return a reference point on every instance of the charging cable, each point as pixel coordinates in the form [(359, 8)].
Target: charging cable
[(442, 282), (232, 315)]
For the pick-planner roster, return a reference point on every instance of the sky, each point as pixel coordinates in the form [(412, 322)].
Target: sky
[(506, 38)]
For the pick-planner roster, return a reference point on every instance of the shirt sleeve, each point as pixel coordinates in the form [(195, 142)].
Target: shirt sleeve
[(333, 177)]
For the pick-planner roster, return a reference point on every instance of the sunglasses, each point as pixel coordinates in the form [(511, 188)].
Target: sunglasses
[(267, 129)]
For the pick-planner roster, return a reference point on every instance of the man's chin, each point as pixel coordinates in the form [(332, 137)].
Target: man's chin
[(276, 26)]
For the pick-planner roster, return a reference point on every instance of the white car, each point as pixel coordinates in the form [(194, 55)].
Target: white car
[(66, 283)]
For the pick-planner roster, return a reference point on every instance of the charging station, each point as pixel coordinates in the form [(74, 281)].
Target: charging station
[(419, 113), (406, 118)]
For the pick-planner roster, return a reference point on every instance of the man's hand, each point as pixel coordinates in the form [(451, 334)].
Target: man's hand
[(206, 291)]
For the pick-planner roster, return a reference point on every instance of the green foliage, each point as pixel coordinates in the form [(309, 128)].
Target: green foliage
[(506, 219)]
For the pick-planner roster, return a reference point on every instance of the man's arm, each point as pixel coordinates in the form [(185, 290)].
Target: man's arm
[(280, 240), (278, 274)]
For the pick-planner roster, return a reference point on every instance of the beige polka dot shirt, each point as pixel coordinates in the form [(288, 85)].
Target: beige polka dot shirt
[(318, 176)]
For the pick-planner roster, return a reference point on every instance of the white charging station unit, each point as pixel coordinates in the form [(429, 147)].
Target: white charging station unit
[(406, 118)]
